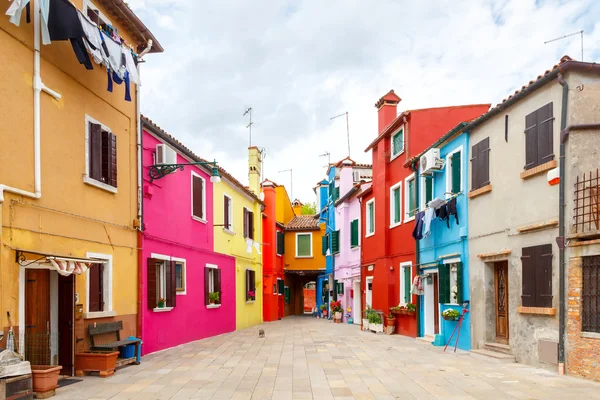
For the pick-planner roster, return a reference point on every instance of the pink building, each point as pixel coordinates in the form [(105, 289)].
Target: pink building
[(188, 290), (353, 179)]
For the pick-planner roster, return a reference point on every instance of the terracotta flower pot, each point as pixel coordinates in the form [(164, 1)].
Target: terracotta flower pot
[(102, 362), (45, 377)]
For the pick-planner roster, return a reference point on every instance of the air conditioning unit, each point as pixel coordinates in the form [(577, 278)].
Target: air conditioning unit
[(430, 162), (165, 154), (356, 176)]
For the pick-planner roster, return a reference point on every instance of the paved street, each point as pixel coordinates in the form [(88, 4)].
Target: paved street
[(306, 358)]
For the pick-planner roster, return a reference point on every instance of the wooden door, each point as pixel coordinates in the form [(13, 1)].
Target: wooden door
[(436, 305), (37, 316), (501, 296), (66, 308)]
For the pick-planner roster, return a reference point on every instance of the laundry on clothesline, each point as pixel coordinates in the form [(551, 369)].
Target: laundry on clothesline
[(437, 208)]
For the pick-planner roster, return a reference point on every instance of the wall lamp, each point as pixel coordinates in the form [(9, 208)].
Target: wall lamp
[(161, 170)]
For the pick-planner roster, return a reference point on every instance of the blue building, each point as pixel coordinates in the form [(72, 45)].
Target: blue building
[(443, 254)]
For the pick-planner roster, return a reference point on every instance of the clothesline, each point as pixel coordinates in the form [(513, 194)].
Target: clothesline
[(416, 210)]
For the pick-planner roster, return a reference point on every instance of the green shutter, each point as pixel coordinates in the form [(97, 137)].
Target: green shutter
[(336, 193), (396, 200), (280, 286), (324, 244), (341, 288), (335, 241), (456, 173), (459, 283), (428, 189), (407, 285), (286, 294), (280, 243), (371, 217), (444, 283), (303, 244), (354, 233), (398, 142), (412, 209)]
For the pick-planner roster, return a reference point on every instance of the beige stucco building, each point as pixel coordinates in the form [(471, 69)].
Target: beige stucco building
[(514, 212)]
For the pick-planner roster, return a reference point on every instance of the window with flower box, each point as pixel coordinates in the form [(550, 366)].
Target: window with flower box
[(250, 285)]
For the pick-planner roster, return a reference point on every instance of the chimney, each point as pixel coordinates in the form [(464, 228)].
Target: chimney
[(387, 109), (297, 206), (254, 169)]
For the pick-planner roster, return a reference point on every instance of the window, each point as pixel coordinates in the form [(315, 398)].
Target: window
[(280, 243), (590, 295), (180, 271), (450, 277), (101, 159), (480, 164), (250, 285), (426, 193), (354, 233), (162, 283), (410, 198), (198, 197), (538, 137), (248, 224), (303, 245), (537, 276), (454, 172), (286, 291), (339, 288), (395, 205), (370, 218), (335, 242), (280, 286), (212, 286), (398, 143), (95, 14), (227, 213), (335, 192), (405, 283), (99, 287)]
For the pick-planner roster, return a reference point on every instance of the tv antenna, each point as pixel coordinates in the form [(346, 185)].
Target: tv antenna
[(347, 128), (249, 126), (328, 155), (569, 35)]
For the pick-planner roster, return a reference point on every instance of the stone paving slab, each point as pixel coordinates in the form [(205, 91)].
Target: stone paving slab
[(307, 358)]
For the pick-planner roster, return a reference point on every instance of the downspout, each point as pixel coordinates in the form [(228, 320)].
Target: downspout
[(417, 258), (140, 193), (38, 87), (561, 230)]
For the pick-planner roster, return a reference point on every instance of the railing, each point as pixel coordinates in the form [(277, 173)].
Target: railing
[(586, 210)]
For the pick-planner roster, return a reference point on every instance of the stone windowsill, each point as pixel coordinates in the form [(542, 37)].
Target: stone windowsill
[(540, 169), (213, 306), (497, 255), (480, 191), (250, 301), (590, 335), (229, 231), (99, 314), (584, 243), (536, 227), (536, 310), (162, 309)]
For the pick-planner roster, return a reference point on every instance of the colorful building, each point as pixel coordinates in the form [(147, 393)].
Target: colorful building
[(443, 251), (328, 192), (388, 250), (278, 212), (238, 233), (68, 187), (346, 273), (181, 272)]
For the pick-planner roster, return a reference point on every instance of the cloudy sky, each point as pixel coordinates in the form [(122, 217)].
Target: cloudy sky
[(298, 63)]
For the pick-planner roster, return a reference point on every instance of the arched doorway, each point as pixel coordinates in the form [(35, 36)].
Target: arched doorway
[(310, 301)]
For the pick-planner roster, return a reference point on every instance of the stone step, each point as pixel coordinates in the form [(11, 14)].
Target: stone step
[(498, 347), (493, 355)]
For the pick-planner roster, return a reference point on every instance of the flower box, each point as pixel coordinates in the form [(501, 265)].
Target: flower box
[(45, 378), (103, 362), (375, 328), (403, 312)]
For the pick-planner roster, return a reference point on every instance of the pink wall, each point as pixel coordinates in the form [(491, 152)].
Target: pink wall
[(171, 231)]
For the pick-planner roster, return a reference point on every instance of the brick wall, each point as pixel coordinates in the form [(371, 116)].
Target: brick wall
[(583, 353)]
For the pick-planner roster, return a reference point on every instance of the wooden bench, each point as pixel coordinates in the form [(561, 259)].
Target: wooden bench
[(113, 328)]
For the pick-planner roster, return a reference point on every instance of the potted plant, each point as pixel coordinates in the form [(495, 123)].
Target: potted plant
[(103, 362), (336, 310), (391, 324), (451, 314), (45, 379), (161, 302), (323, 308), (251, 295), (214, 298), (375, 322), (408, 309)]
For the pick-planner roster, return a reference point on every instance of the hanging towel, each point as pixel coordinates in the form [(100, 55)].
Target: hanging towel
[(15, 9), (452, 210), (427, 218), (115, 56), (417, 286), (93, 40), (418, 231), (64, 24), (130, 65)]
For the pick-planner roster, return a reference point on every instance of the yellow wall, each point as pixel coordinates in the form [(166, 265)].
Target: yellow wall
[(71, 218), (233, 243), (285, 212), (316, 262)]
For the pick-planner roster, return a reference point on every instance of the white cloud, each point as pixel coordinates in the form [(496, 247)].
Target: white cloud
[(298, 63)]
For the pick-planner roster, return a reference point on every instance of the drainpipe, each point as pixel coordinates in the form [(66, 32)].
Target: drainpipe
[(38, 87), (417, 257)]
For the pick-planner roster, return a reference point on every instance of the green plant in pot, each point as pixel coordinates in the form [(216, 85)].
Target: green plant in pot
[(410, 307), (161, 303), (451, 314), (214, 298)]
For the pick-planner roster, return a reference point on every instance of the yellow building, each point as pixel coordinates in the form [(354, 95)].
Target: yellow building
[(68, 187), (238, 232)]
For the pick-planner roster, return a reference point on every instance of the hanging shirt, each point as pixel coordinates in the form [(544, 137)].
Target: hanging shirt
[(93, 40), (417, 232), (130, 65), (427, 218), (452, 210), (115, 55)]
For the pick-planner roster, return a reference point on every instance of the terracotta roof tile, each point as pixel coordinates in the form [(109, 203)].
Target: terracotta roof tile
[(303, 222)]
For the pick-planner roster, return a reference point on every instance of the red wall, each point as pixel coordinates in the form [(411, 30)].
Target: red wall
[(310, 299), (272, 263)]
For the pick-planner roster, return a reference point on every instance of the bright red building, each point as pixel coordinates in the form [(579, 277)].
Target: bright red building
[(388, 263)]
